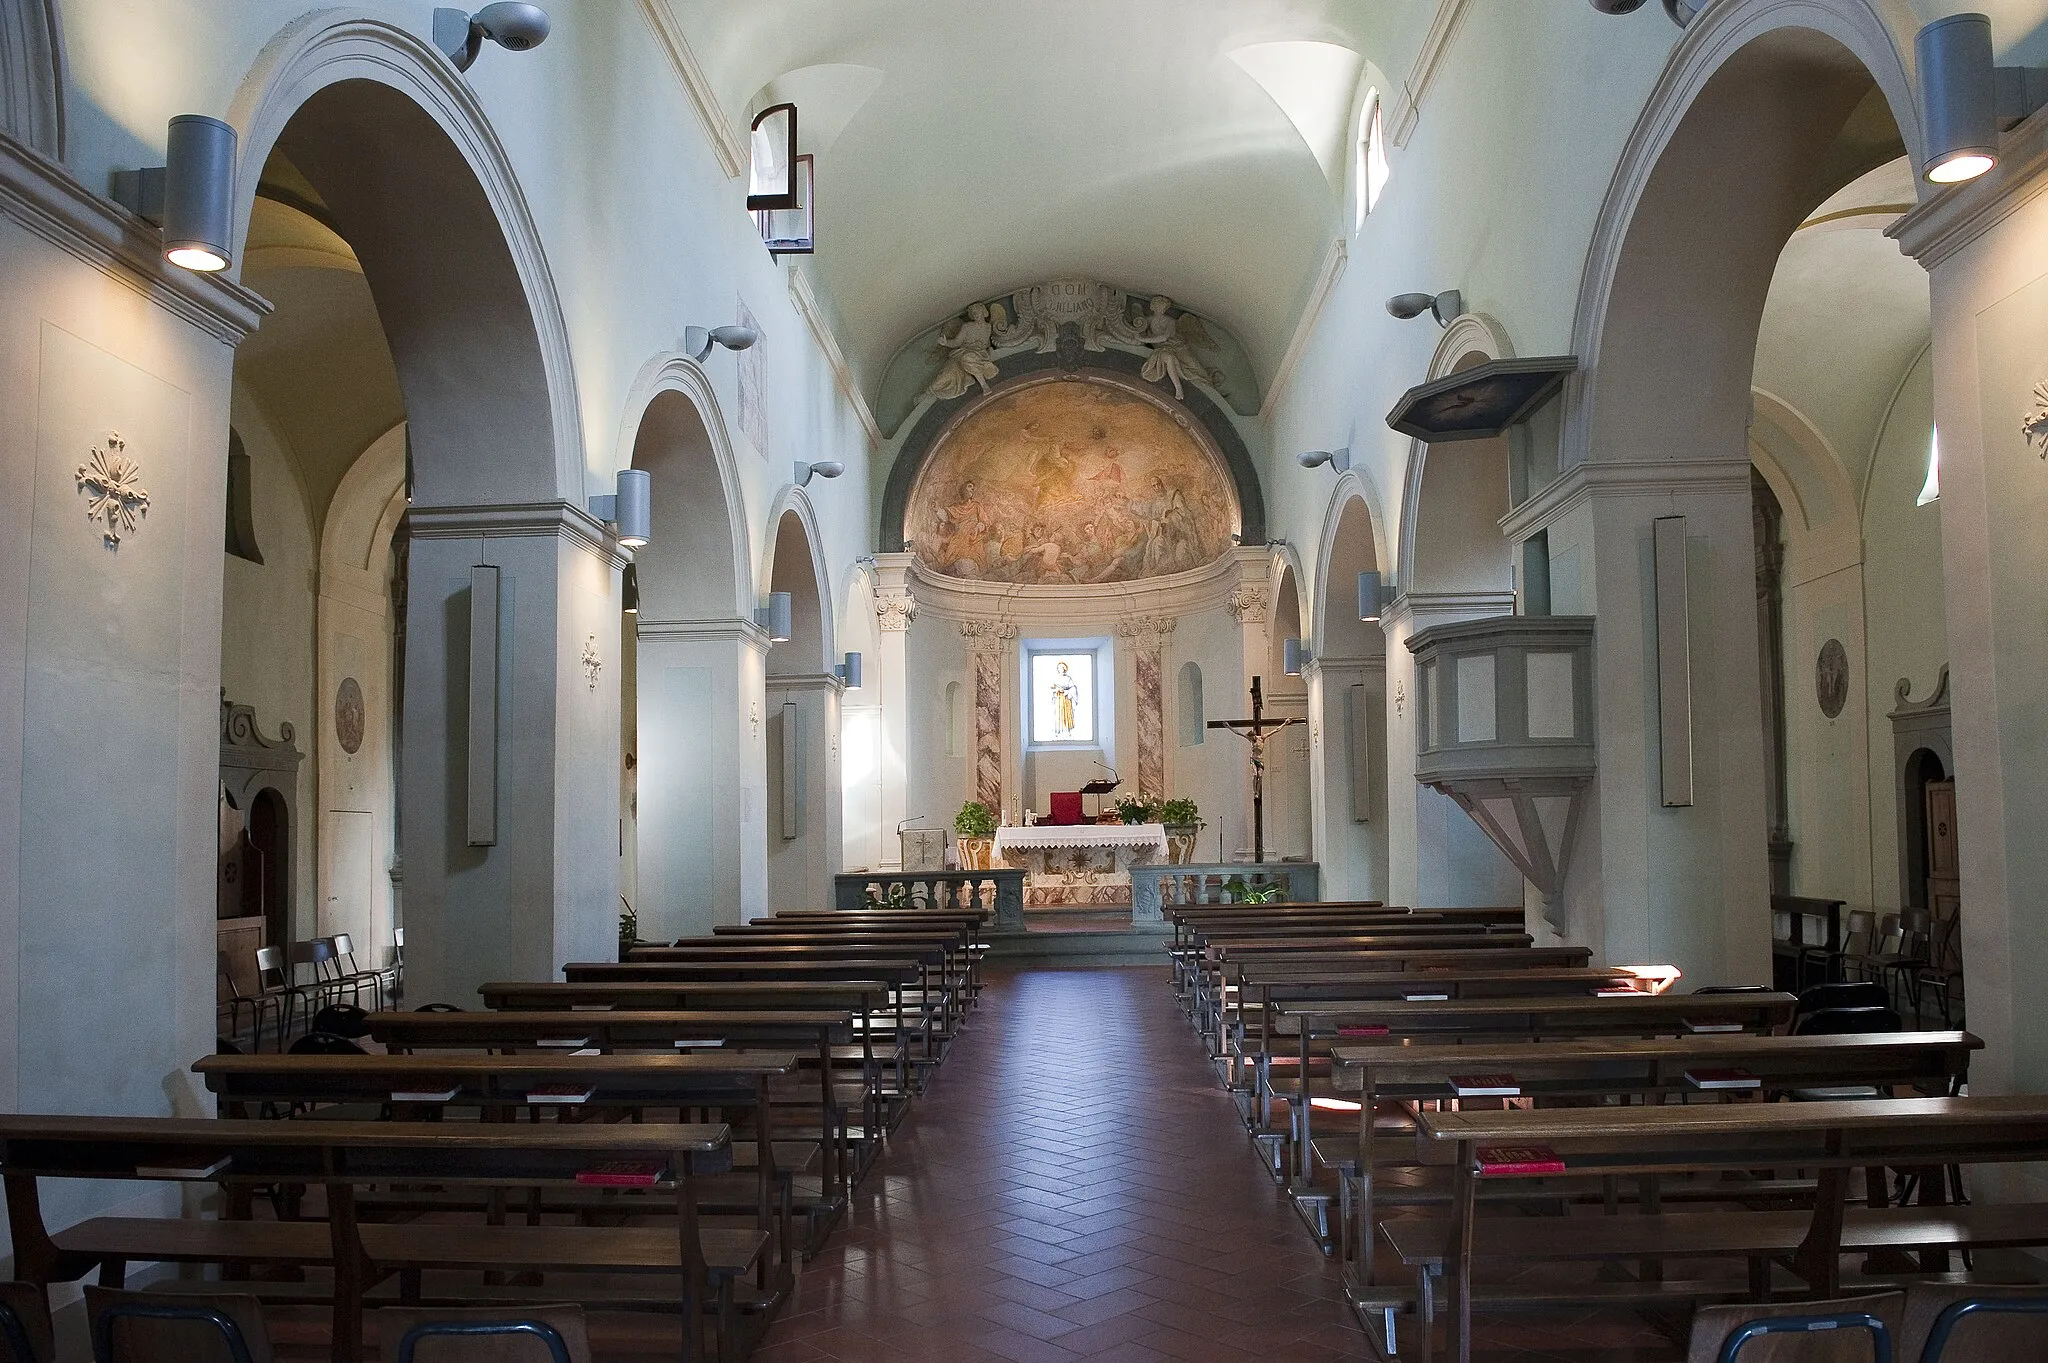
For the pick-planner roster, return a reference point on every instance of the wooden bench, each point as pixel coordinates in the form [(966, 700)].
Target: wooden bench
[(945, 972), (1833, 1138), (1607, 1069), (344, 1157), (1526, 1018)]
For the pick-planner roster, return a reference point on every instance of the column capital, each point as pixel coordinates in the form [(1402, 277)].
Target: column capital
[(1248, 604), (1148, 632), (895, 608), (987, 636)]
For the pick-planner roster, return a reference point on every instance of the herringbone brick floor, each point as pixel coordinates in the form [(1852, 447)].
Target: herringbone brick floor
[(1076, 1185)]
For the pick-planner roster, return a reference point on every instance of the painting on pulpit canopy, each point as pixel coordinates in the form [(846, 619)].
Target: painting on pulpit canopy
[(1067, 481)]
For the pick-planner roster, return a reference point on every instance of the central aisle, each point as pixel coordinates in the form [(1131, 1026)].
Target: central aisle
[(1074, 1185)]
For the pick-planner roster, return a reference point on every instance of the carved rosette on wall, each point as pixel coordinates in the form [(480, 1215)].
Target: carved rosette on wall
[(894, 610), (112, 483), (986, 640), (2034, 426), (1147, 636), (1248, 605)]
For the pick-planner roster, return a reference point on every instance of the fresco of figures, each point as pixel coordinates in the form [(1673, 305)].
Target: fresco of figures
[(1064, 482)]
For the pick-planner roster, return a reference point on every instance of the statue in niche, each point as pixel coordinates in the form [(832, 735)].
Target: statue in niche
[(965, 347), (1173, 341)]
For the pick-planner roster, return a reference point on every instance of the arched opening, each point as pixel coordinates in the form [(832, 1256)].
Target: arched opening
[(1189, 705), (697, 666), (803, 727), (270, 835), (1289, 835), (1455, 564), (862, 834), (1348, 701), (402, 377), (1753, 131)]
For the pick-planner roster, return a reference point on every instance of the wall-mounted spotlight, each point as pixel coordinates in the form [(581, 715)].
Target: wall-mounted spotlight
[(514, 26), (191, 196), (775, 617), (630, 589), (849, 672), (1446, 307), (1294, 654), (1339, 460), (1375, 594), (631, 508), (697, 341), (1966, 100), (1682, 12), (824, 468)]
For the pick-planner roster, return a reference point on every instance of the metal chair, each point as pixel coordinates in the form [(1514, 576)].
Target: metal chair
[(198, 1329), (1991, 1341), (1847, 1022), (348, 972), (397, 965), (1830, 1331), (1850, 994), (235, 1001), (274, 978), (316, 959), (1943, 973), (26, 1335), (1898, 963), (545, 1334), (1859, 930), (1881, 1338)]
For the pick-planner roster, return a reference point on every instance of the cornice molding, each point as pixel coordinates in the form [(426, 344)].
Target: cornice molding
[(515, 520), (1327, 274), (1955, 219), (675, 45), (1419, 610), (44, 198), (1436, 43), (729, 629), (1622, 478), (812, 311), (808, 682), (950, 598)]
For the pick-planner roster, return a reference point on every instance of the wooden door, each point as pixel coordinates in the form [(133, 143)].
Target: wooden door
[(1944, 872)]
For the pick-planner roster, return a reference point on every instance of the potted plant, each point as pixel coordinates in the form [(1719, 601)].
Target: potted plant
[(976, 825), (1184, 824), (1136, 808)]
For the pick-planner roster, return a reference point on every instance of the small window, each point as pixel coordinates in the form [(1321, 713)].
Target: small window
[(241, 519), (1373, 169), (1193, 719), (1063, 698)]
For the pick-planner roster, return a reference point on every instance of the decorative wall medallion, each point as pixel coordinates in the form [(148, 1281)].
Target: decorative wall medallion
[(1831, 678), (592, 663), (348, 714), (2035, 425), (894, 610), (115, 497)]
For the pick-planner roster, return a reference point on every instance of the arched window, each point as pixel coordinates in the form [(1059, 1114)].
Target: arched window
[(1373, 170), (1191, 716)]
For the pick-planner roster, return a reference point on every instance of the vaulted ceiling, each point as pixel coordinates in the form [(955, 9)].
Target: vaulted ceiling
[(966, 147)]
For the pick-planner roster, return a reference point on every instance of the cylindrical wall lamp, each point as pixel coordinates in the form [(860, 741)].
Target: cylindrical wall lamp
[(199, 193), (630, 586), (775, 617), (1293, 654), (1374, 595), (1958, 98), (631, 508), (849, 672)]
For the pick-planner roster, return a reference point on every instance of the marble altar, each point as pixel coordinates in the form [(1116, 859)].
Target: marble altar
[(1079, 865)]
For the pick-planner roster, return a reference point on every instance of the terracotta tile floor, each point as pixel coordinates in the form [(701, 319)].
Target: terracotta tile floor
[(1077, 1185)]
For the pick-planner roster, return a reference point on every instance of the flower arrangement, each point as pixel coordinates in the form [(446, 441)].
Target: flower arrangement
[(1136, 808), (975, 820), (1179, 813)]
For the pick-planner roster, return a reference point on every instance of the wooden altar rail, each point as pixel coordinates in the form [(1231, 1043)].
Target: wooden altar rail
[(1156, 886), (1002, 890)]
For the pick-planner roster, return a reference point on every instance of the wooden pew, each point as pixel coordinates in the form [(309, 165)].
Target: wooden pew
[(344, 1156), (1201, 965), (946, 954), (1468, 1020), (1610, 1069), (827, 1036), (1834, 1138)]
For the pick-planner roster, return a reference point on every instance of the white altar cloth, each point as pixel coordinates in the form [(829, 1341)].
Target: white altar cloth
[(1080, 865)]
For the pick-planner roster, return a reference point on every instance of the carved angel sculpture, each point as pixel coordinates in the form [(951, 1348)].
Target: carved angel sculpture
[(1173, 341), (2035, 427), (965, 346)]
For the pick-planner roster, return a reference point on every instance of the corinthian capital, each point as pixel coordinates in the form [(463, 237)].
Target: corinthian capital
[(894, 610)]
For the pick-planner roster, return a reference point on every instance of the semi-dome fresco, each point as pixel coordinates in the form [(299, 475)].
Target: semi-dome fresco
[(1066, 481)]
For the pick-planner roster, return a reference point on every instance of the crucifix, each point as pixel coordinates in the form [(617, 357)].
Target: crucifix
[(1256, 731)]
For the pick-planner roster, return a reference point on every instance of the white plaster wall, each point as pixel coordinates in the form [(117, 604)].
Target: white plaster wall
[(266, 643), (1214, 773), (939, 769)]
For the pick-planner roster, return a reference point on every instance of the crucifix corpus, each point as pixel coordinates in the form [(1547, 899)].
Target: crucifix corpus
[(1256, 731)]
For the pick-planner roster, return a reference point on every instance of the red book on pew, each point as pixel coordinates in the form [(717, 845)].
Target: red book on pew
[(1506, 1161), (1485, 1086), (1376, 1030), (1723, 1079), (622, 1174)]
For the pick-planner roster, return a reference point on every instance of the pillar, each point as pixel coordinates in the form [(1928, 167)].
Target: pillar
[(1347, 778), (889, 674)]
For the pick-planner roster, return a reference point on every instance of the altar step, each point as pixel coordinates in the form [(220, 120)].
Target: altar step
[(1044, 946)]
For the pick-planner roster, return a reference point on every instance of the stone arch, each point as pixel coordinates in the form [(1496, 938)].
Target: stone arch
[(1450, 511), (1686, 239), (402, 151), (698, 566), (32, 75), (1352, 543), (794, 561)]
